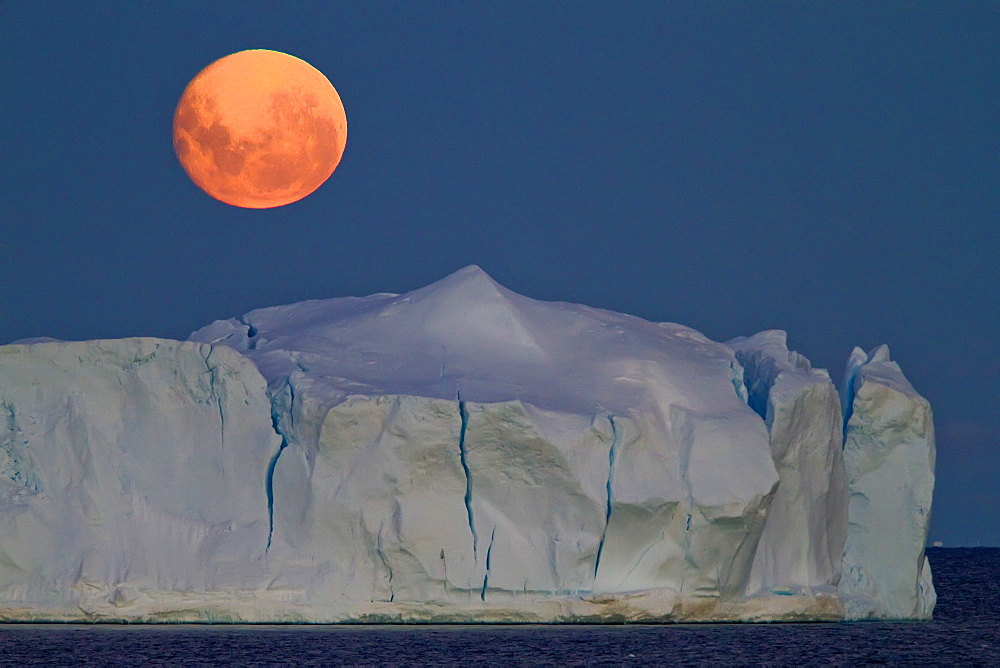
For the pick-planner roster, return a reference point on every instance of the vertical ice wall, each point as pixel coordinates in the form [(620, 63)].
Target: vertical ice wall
[(415, 500), (132, 465), (889, 457), (803, 537)]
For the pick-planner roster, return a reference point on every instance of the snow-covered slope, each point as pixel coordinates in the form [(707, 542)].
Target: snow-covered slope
[(459, 452)]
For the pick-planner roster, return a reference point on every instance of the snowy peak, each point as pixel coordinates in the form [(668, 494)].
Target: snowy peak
[(468, 312), (470, 284)]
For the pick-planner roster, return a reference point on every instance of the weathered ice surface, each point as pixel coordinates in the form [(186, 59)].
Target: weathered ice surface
[(803, 539), (456, 453), (889, 456), (128, 468), (465, 447)]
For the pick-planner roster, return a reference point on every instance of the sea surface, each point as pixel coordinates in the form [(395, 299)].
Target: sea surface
[(965, 630)]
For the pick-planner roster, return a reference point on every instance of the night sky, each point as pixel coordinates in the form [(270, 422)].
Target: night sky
[(830, 169)]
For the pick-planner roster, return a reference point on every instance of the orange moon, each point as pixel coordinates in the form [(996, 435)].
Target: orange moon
[(259, 129)]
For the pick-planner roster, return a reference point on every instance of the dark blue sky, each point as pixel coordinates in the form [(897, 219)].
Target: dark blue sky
[(831, 169)]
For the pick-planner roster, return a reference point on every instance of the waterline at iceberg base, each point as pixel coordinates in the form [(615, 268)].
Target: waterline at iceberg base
[(459, 453)]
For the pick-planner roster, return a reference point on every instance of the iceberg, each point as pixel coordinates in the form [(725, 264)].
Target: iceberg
[(889, 454), (128, 469), (452, 454), (802, 545)]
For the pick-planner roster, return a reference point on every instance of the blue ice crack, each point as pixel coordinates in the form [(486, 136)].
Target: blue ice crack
[(489, 564), (464, 415), (251, 332), (612, 451), (269, 479), (847, 396)]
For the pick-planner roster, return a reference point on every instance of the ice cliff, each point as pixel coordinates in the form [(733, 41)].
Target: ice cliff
[(457, 453), (889, 458)]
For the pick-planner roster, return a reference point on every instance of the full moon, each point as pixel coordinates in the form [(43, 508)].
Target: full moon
[(259, 129)]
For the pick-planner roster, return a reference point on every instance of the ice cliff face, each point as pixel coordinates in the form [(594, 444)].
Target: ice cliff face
[(134, 465), (455, 453), (802, 544), (889, 458)]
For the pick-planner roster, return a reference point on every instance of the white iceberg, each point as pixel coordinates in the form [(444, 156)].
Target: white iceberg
[(802, 544), (128, 468), (889, 455), (456, 453)]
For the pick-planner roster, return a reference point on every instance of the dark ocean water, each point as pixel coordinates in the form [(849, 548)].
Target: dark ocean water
[(965, 630)]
